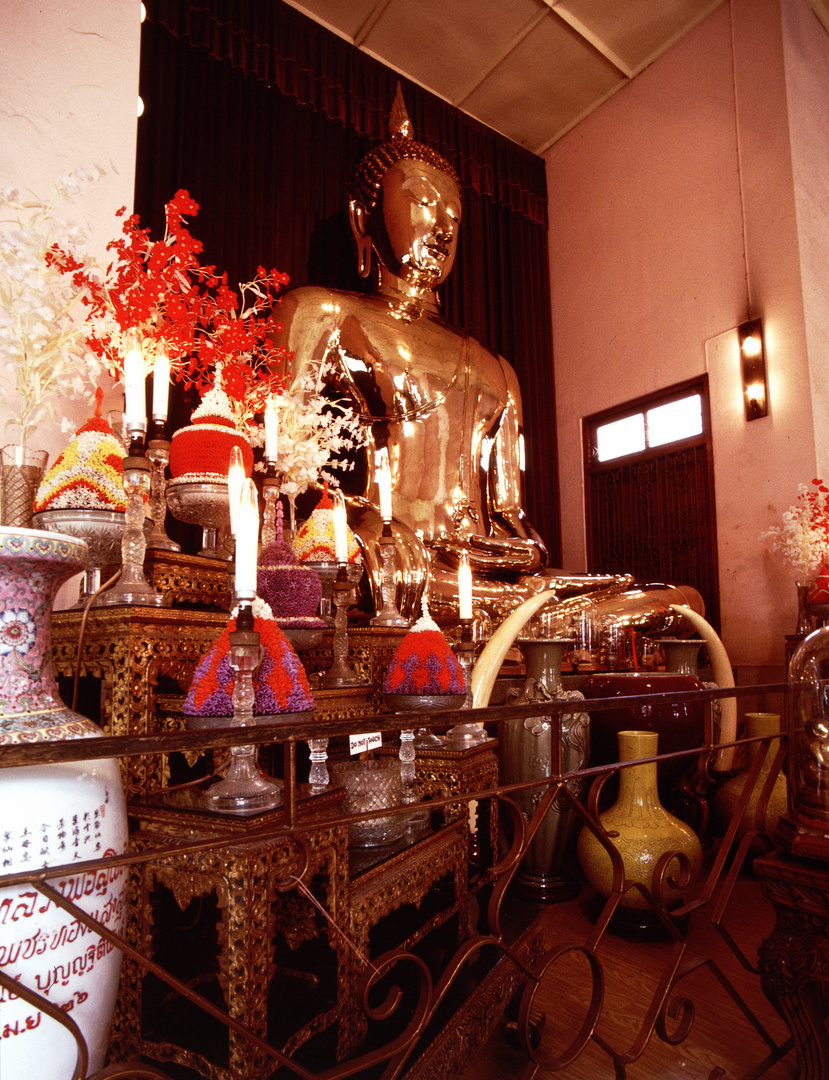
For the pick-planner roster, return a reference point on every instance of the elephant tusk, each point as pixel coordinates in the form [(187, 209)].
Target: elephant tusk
[(490, 661), (723, 677)]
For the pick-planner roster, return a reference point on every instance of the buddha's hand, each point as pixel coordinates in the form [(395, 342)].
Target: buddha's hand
[(491, 554)]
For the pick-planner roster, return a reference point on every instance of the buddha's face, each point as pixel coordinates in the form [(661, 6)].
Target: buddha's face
[(414, 226)]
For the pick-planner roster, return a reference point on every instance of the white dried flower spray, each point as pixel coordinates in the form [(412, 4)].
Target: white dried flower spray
[(44, 357), (803, 538), (314, 432)]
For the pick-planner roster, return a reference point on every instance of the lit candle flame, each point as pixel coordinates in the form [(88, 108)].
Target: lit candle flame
[(247, 541), (161, 386), (464, 588), (135, 407), (340, 529), (271, 428), (235, 480), (383, 478)]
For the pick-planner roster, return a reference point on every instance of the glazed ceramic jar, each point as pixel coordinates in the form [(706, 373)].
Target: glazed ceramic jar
[(659, 852), (53, 815)]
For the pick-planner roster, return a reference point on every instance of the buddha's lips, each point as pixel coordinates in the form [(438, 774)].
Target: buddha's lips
[(437, 250)]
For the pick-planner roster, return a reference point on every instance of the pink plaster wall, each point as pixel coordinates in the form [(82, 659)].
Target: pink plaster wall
[(806, 53), (69, 87), (650, 199)]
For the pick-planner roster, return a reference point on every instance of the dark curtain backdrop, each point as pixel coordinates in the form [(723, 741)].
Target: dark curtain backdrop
[(262, 115)]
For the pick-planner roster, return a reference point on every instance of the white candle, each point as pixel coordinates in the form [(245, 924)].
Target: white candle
[(161, 386), (340, 530), (383, 478), (464, 588), (235, 480), (247, 541), (135, 407), (271, 428)]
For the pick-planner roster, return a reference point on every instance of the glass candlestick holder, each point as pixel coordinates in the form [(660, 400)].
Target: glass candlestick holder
[(318, 778), (270, 494), (243, 789), (340, 673), (468, 734), (388, 614), (327, 573), (406, 756), (158, 452), (132, 587)]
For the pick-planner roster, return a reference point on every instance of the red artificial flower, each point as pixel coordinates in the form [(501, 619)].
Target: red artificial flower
[(159, 292)]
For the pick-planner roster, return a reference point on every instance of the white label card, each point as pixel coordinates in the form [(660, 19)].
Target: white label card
[(358, 743)]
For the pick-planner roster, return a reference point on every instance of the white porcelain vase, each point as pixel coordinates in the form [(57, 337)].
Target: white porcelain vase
[(52, 815)]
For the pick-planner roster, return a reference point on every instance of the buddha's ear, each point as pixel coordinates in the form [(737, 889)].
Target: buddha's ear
[(358, 217)]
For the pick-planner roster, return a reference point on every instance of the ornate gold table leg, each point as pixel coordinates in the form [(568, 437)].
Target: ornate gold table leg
[(794, 959)]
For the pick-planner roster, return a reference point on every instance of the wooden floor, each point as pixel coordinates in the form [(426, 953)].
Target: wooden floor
[(721, 1037)]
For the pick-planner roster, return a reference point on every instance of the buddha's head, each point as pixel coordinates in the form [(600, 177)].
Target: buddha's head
[(405, 205)]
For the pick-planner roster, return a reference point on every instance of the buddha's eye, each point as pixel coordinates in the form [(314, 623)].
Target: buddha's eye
[(422, 198), (420, 192)]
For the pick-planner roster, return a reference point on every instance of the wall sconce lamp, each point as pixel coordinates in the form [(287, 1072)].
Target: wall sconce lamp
[(753, 366)]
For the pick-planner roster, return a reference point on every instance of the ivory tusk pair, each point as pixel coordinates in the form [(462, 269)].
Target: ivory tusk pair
[(490, 661)]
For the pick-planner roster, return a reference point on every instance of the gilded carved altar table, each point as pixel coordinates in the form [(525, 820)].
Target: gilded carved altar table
[(130, 649), (229, 919), (794, 959)]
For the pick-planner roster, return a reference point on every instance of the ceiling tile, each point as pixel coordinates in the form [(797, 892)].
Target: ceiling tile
[(637, 31), (446, 47), (531, 69), (568, 78), (346, 17)]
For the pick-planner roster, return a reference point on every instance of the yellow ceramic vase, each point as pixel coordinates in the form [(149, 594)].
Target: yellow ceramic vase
[(640, 829), (727, 798)]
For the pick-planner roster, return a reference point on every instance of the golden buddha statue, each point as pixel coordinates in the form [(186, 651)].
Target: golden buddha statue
[(447, 410)]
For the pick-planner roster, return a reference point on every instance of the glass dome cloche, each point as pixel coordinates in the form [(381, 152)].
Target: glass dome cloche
[(804, 831)]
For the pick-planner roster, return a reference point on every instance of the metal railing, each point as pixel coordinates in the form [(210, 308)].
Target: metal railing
[(413, 997)]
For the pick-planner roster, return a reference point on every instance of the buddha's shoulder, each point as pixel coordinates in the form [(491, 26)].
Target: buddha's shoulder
[(317, 298)]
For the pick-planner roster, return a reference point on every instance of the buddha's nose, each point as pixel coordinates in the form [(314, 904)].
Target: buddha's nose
[(444, 226)]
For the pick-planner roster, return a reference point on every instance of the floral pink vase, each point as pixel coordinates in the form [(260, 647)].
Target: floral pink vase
[(52, 815)]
